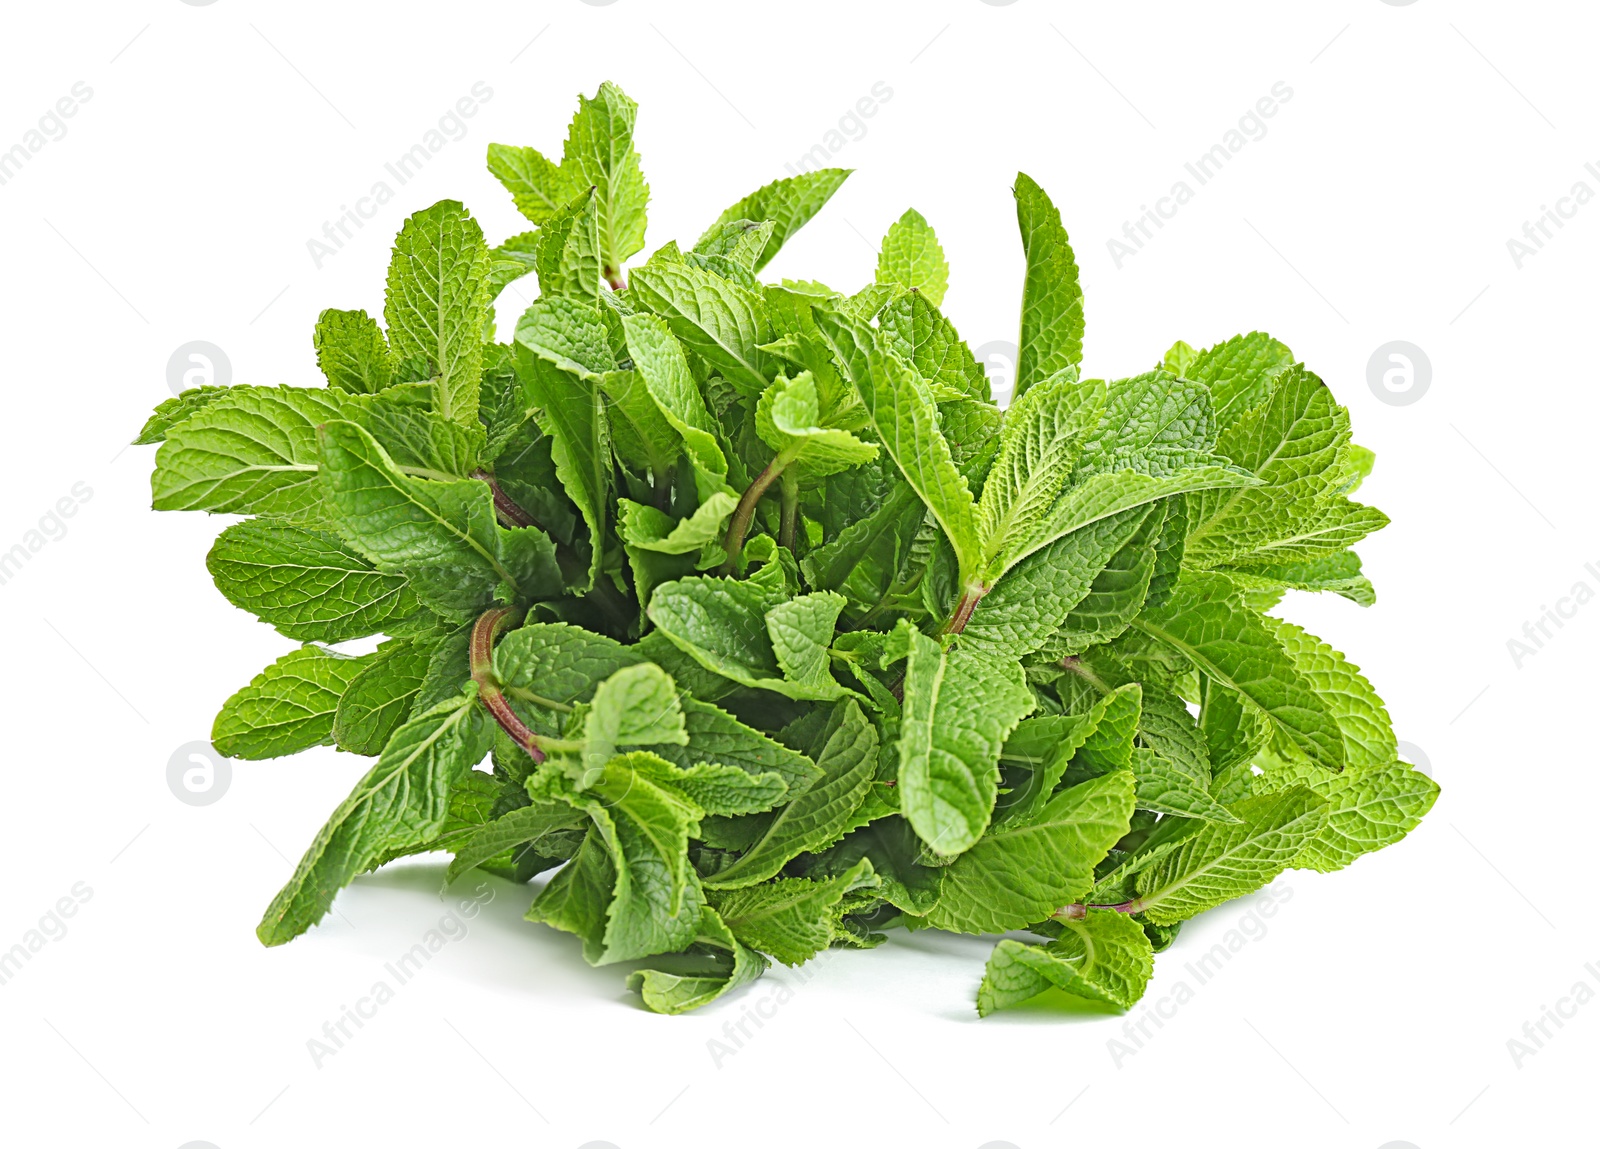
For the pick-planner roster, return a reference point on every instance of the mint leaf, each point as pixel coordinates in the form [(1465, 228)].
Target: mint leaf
[(788, 203), (402, 802), (352, 352), (1052, 301), (1228, 860), (252, 450), (661, 365), (1023, 872), (1104, 956), (288, 707), (307, 583), (790, 420), (1205, 621), (1370, 806), (959, 708), (377, 700), (437, 303), (599, 153), (912, 258), (723, 323), (724, 964), (819, 813), (792, 919)]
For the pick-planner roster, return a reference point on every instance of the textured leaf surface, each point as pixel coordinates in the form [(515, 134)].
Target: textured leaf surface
[(307, 583), (1228, 860), (1232, 645), (1370, 806), (959, 708), (1022, 873), (1052, 301), (788, 203), (288, 707), (912, 258), (437, 302), (1104, 956), (403, 801)]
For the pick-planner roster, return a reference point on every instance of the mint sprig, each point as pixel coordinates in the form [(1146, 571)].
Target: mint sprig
[(743, 608)]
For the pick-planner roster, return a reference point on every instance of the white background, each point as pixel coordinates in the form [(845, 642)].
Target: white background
[(218, 139)]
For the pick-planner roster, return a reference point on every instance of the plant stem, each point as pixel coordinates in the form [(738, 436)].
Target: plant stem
[(962, 614), (745, 511), (789, 488), (1078, 910), (480, 657), (504, 505)]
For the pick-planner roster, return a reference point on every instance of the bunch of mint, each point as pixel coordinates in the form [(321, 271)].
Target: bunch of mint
[(775, 631)]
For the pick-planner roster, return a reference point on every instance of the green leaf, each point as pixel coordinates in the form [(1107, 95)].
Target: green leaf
[(725, 965), (790, 420), (928, 342), (636, 706), (661, 365), (1118, 592), (957, 711), (1293, 443), (568, 258), (722, 624), (792, 919), (306, 583), (1164, 788), (170, 412), (1043, 433), (1205, 621), (1023, 872), (1355, 706), (352, 352), (1370, 806), (723, 323), (912, 258), (656, 899), (599, 153), (571, 411), (819, 813), (513, 828), (801, 631), (908, 426), (1240, 374), (539, 188), (421, 442), (1228, 860), (440, 535), (1034, 601), (1052, 301), (377, 700), (437, 303), (288, 707), (250, 451), (402, 802), (648, 529), (1104, 956), (788, 203)]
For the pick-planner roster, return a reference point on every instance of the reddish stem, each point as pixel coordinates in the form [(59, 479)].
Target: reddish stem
[(504, 505), (1078, 910), (480, 657)]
